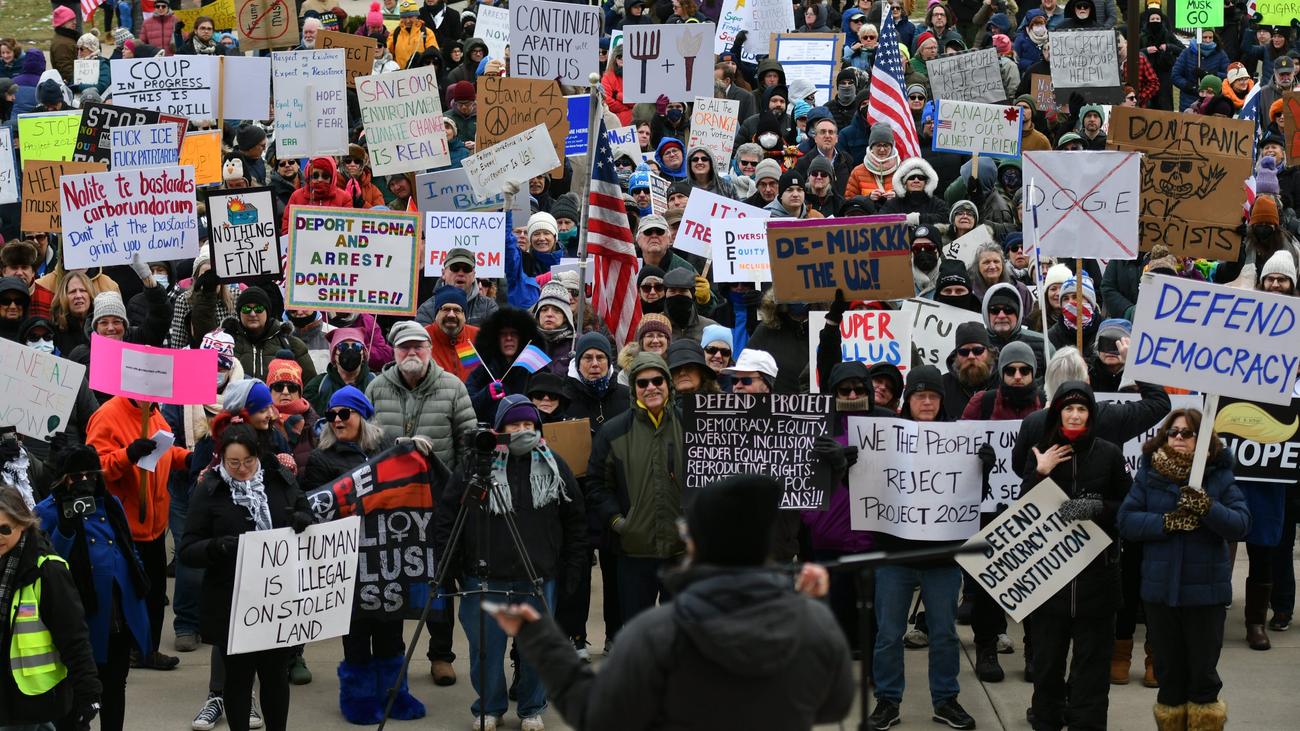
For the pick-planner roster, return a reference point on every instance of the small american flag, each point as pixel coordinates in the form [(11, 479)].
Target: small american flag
[(944, 124), (888, 102), (610, 243)]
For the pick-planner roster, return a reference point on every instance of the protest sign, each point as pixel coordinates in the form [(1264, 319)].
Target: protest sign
[(508, 107), (494, 28), (553, 40), (242, 239), (866, 336), (1100, 187), (343, 260), (1041, 87), (8, 176), (571, 440), (869, 257), (359, 53), (40, 390), (48, 135), (395, 493), (143, 372), (1085, 61), (1291, 124), (40, 200), (482, 233), (1214, 339), (694, 234), (266, 24), (293, 588), (739, 250), (110, 217), (622, 141), (671, 60), (526, 155), (764, 18), (1263, 440), (202, 151), (310, 102), (146, 146), (1032, 552), (579, 116), (713, 127), (222, 13), (94, 141), (85, 71), (403, 121), (729, 434), (923, 481), (1193, 171), (964, 248), (185, 86), (449, 190), (973, 128), (812, 57), (971, 76), (731, 21), (1133, 447), (1277, 11), (245, 87), (1205, 13), (1004, 483), (934, 327), (659, 186)]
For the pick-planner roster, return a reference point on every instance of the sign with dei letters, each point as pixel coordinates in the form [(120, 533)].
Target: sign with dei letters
[(403, 120), (551, 40), (740, 250), (515, 160), (40, 390), (695, 233), (867, 336), (972, 128), (1083, 203), (869, 257), (1032, 553), (110, 217), (713, 127), (185, 86), (344, 260), (934, 326), (1085, 61), (1215, 339), (311, 115), (292, 588), (482, 233), (671, 60), (972, 76), (242, 237), (923, 481), (509, 107)]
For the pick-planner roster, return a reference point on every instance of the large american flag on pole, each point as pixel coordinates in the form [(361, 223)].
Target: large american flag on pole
[(88, 7), (610, 244), (888, 100)]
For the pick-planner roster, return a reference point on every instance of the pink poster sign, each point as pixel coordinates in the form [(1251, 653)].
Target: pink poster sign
[(142, 372)]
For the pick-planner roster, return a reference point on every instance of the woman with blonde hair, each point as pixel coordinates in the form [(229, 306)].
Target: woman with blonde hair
[(70, 310)]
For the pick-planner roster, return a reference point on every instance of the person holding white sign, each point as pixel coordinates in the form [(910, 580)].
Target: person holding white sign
[(1186, 569)]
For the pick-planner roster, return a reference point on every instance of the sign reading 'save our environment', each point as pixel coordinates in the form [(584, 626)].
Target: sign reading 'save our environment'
[(110, 217), (869, 257), (344, 260), (481, 233), (403, 121), (242, 237)]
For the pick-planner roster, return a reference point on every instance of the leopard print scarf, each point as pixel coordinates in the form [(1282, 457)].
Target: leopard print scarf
[(1173, 465)]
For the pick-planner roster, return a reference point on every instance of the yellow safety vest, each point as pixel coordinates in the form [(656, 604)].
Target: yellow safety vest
[(32, 654)]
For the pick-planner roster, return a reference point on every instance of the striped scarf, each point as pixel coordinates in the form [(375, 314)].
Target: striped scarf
[(545, 482)]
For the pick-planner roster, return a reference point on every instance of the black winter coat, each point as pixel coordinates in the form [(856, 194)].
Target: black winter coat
[(327, 464), (585, 404), (787, 343), (930, 209)]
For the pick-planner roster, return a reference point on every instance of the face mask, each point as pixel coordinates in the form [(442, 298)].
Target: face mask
[(964, 301), (768, 140), (674, 115), (349, 359), (1011, 179), (523, 442), (1039, 32), (679, 308), (568, 237), (844, 94), (162, 280), (925, 260), (656, 307), (320, 187), (301, 322), (1072, 434), (43, 346), (1263, 231), (624, 176), (1209, 47)]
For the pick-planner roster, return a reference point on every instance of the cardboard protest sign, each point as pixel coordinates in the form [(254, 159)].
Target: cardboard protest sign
[(482, 233), (1040, 86), (94, 136), (671, 60), (359, 53), (40, 390), (395, 493), (934, 326), (659, 186), (508, 107), (1083, 204), (1277, 11), (146, 146), (242, 239), (964, 248), (222, 13), (48, 135), (812, 57), (494, 28), (866, 336), (739, 250), (1204, 13), (185, 86), (1262, 439), (345, 260), (971, 76), (245, 87), (403, 121), (1291, 124), (293, 588), (571, 440), (732, 18), (143, 372), (579, 116), (764, 18), (729, 434), (515, 160), (41, 211), (1214, 339), (694, 233), (869, 257), (713, 127), (1085, 61), (449, 190), (85, 71), (1032, 552), (922, 483), (1193, 171), (553, 40), (972, 128), (622, 141), (110, 217), (310, 102), (266, 24), (8, 176), (202, 151)]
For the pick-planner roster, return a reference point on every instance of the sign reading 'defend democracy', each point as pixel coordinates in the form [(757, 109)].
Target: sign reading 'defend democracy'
[(1215, 339), (772, 434), (1032, 553), (344, 260), (869, 257), (110, 217)]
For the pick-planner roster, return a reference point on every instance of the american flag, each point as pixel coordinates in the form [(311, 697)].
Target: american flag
[(610, 243), (88, 7), (888, 102)]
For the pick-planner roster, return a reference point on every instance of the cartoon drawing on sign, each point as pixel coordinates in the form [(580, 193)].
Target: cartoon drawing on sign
[(688, 44), (644, 47), (1180, 176)]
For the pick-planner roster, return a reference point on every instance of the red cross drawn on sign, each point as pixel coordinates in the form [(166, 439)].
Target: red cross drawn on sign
[(1075, 205)]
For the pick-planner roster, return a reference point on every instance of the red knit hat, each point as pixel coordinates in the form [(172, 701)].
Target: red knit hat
[(923, 38), (283, 369)]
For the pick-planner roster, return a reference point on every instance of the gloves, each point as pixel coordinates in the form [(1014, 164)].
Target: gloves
[(661, 105), (207, 281), (1181, 521), (838, 307), (301, 522), (831, 452), (223, 547), (85, 714), (913, 219), (423, 444), (510, 188), (1193, 501), (497, 390), (851, 455), (988, 458), (140, 268), (9, 449), (702, 291), (1084, 508), (139, 448)]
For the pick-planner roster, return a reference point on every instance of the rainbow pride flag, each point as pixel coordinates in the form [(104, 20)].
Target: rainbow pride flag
[(469, 359)]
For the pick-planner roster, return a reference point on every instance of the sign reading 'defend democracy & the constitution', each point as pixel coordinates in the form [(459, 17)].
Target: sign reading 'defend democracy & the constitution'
[(344, 260)]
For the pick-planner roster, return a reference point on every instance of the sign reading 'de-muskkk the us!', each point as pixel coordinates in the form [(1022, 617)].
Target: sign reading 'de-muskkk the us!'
[(869, 257), (110, 217), (344, 260), (772, 434)]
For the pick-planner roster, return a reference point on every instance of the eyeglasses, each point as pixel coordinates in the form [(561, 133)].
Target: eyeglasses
[(718, 350), (286, 386), (972, 350), (247, 463), (698, 158), (451, 310), (818, 174), (1175, 432), (655, 381), (648, 287), (1002, 310), (916, 97), (285, 163), (1015, 370), (845, 390), (350, 345), (342, 412), (252, 309)]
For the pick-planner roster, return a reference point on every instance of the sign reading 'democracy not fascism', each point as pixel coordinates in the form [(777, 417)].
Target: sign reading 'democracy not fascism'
[(869, 257), (1215, 339), (110, 217), (343, 260), (1083, 204), (550, 40), (972, 128), (484, 234), (403, 120)]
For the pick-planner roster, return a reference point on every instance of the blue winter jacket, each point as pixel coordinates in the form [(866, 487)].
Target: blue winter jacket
[(1185, 569), (1184, 74)]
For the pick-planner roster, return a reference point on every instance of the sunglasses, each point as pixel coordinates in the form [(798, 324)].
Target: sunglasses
[(286, 386), (1015, 370), (867, 38), (655, 381), (846, 390), (748, 163), (697, 158), (6, 530), (647, 287), (546, 396), (11, 302), (921, 178), (654, 232), (285, 163), (975, 350), (916, 97), (716, 350), (924, 247), (252, 309), (319, 176), (342, 412), (459, 268), (1016, 247), (818, 174), (1180, 433), (37, 338), (351, 161), (1002, 310), (748, 380)]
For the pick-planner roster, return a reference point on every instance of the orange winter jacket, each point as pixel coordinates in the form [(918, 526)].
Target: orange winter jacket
[(112, 427)]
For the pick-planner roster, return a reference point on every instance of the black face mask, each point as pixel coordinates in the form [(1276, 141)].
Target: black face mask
[(1263, 232), (656, 307), (350, 359), (1019, 396), (964, 301), (301, 322), (925, 260), (679, 308)]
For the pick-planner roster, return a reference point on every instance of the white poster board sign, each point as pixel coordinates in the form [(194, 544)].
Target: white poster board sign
[(185, 86), (934, 327), (1083, 203), (668, 60), (482, 233), (403, 121), (866, 336), (345, 260), (973, 76), (1083, 58), (311, 114), (971, 128), (812, 59), (713, 127), (449, 190), (514, 160), (732, 19), (146, 146), (765, 17), (1133, 447), (622, 141), (40, 390), (694, 234), (110, 217), (494, 28), (85, 72), (964, 247), (8, 172), (551, 40), (246, 87), (740, 250)]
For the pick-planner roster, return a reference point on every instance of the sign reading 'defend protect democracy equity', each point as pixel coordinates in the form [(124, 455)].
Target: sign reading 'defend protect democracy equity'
[(482, 233), (110, 217), (729, 434), (1032, 553), (869, 257), (343, 260), (1215, 339)]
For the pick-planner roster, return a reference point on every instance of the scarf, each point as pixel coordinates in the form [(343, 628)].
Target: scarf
[(545, 481), (1040, 37), (559, 334), (1070, 314), (1172, 465), (9, 575), (204, 49), (15, 473), (881, 167), (598, 386), (249, 495)]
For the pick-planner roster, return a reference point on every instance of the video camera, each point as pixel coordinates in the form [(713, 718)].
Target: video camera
[(483, 444)]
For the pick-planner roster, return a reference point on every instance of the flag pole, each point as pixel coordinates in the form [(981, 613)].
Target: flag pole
[(593, 130)]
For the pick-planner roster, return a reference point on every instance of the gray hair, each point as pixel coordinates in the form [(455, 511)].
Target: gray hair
[(1065, 365), (371, 441)]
